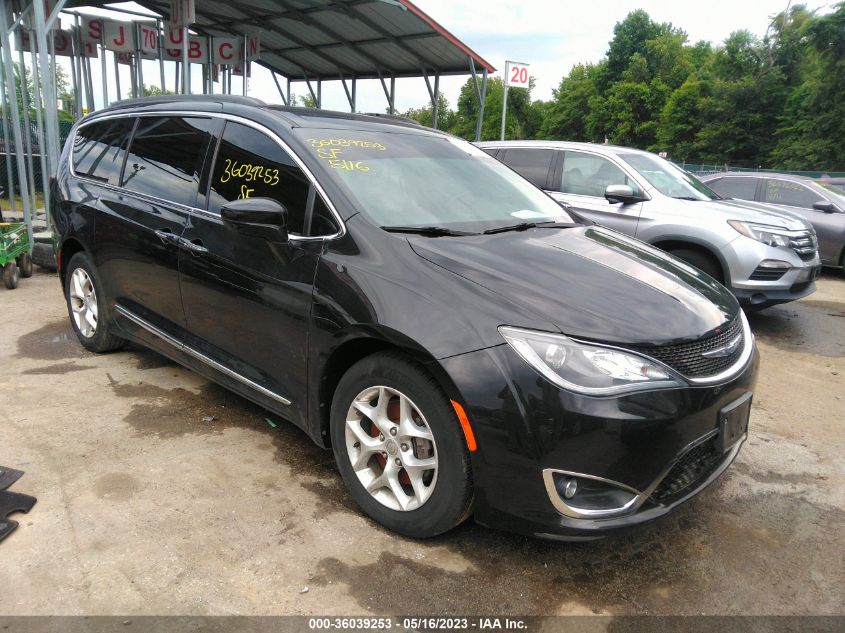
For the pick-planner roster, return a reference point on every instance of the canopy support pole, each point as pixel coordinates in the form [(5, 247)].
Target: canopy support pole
[(481, 94), (9, 69), (279, 87), (310, 89)]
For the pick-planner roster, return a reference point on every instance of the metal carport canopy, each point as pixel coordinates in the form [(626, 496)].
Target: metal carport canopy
[(336, 39)]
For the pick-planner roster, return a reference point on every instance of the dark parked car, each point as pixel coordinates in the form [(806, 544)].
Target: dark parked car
[(821, 203), (463, 345)]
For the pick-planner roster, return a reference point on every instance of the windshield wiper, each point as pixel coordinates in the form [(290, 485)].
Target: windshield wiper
[(523, 226), (429, 231), (687, 198)]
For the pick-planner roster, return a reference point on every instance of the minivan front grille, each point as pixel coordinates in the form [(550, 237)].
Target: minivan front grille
[(688, 359), (805, 245)]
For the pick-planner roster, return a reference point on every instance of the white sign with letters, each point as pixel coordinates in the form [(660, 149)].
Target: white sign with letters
[(516, 75)]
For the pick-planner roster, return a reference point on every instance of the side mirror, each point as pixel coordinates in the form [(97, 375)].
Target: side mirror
[(826, 206), (257, 217), (621, 193)]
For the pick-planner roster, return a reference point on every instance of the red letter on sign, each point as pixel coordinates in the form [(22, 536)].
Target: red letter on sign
[(194, 51), (226, 51), (122, 39), (95, 30)]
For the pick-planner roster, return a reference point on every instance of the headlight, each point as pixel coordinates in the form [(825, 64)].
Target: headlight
[(589, 369), (769, 235)]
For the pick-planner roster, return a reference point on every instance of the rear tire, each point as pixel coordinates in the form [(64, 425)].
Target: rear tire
[(436, 497), (11, 275), (87, 309), (704, 262), (25, 264)]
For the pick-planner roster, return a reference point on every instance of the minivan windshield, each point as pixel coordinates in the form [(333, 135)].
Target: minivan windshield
[(668, 179), (406, 180)]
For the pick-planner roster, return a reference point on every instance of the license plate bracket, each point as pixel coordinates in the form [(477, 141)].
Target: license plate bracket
[(733, 422)]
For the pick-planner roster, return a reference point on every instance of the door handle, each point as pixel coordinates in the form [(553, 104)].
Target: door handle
[(194, 247), (167, 236)]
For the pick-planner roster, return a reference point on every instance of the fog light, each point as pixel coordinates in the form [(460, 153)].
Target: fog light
[(774, 263), (567, 487), (584, 494)]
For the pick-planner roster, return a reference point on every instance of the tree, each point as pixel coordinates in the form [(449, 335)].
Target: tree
[(155, 91), (812, 125), (523, 117), (566, 114), (446, 117)]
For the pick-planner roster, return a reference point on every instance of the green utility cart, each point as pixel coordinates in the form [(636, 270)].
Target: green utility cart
[(14, 253)]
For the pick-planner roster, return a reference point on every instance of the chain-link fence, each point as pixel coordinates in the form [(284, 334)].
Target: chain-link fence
[(705, 169), (8, 153)]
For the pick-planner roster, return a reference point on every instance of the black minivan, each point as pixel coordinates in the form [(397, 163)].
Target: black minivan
[(463, 344)]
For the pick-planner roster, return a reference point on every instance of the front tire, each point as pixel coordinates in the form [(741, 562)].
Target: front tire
[(87, 307), (704, 262), (398, 446)]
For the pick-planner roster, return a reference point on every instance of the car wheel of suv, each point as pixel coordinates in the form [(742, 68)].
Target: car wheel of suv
[(704, 262), (399, 448), (86, 307)]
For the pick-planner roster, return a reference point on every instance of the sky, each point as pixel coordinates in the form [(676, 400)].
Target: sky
[(550, 35)]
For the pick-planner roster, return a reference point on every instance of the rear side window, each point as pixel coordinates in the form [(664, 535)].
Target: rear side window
[(166, 157), (252, 165), (591, 175), (790, 193), (531, 164), (99, 148), (742, 188)]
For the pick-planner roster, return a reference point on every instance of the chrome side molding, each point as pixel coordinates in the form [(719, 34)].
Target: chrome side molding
[(167, 338)]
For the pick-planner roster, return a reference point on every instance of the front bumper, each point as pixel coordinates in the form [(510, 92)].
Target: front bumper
[(525, 427), (744, 257)]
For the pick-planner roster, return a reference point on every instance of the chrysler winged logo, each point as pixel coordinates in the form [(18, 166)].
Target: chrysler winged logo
[(726, 350)]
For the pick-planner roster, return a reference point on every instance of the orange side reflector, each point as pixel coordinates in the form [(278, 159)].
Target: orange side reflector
[(462, 418)]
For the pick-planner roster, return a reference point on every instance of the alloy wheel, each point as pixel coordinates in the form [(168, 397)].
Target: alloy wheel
[(83, 302), (391, 448)]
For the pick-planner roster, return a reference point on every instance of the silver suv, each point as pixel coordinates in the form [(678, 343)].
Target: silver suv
[(765, 255)]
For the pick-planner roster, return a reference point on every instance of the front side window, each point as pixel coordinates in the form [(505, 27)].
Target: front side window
[(408, 178), (591, 175), (742, 187), (99, 149), (250, 164), (531, 164), (791, 194), (166, 157)]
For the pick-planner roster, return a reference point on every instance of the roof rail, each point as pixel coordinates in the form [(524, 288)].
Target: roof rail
[(126, 103), (392, 117)]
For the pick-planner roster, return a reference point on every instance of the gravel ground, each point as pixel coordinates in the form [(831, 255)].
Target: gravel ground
[(144, 508)]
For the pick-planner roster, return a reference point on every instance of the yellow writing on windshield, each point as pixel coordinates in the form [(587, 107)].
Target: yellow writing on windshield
[(345, 142), (330, 151)]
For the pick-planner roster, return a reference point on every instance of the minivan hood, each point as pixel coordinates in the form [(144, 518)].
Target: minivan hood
[(750, 212), (590, 282)]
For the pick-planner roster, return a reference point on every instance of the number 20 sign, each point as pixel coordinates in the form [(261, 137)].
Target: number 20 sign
[(516, 75)]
